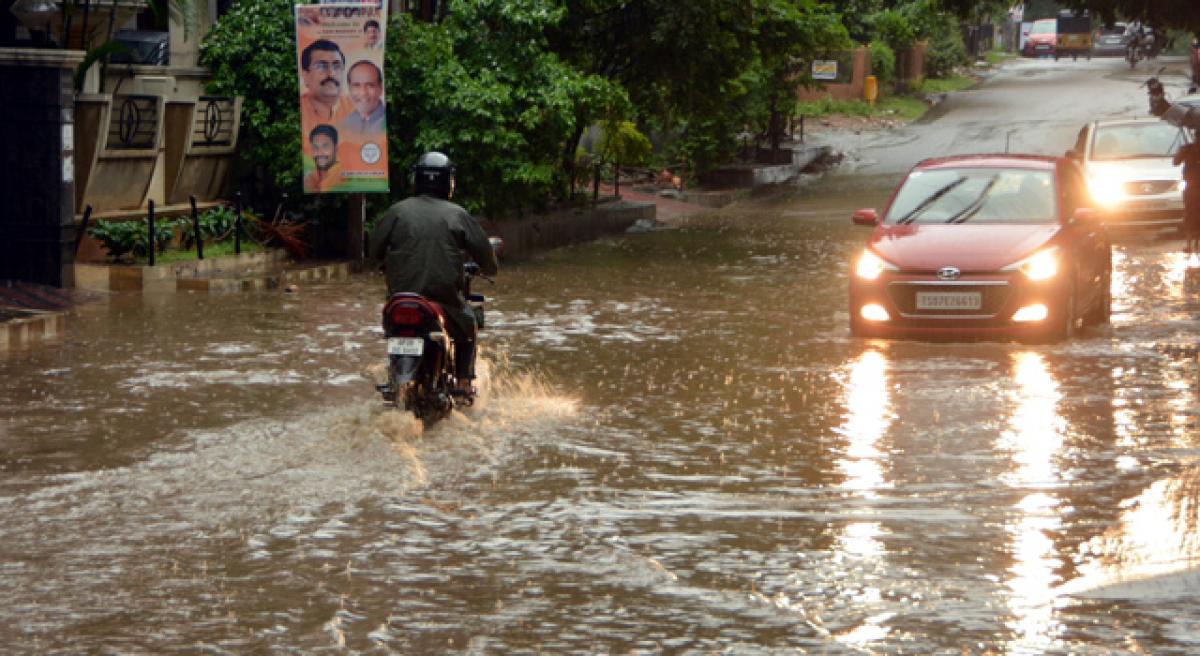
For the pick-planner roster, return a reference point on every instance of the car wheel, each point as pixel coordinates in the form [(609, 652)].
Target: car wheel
[(1101, 313), (1063, 327)]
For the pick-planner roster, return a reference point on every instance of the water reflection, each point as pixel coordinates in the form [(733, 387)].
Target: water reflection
[(1034, 437), (1155, 550), (868, 415)]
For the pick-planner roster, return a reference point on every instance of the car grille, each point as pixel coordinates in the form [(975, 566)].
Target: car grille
[(993, 295), (1150, 187)]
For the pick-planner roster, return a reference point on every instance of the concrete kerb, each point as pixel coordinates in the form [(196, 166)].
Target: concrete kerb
[(37, 325), (524, 237), (241, 273)]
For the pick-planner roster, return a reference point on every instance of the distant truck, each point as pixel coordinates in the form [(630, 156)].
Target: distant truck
[(1074, 36)]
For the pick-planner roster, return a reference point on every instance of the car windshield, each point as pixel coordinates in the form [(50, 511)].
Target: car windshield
[(975, 195), (1116, 30), (1135, 140), (1039, 27)]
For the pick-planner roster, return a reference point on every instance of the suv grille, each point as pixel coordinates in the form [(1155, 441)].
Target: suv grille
[(1150, 187)]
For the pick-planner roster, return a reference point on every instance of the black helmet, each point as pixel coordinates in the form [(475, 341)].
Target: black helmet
[(433, 174)]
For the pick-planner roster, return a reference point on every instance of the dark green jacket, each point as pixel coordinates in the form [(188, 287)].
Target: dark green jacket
[(421, 241)]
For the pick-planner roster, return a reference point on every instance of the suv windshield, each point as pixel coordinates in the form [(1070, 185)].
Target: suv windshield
[(975, 195), (1135, 140)]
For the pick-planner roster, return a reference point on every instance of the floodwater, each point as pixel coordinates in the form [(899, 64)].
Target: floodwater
[(679, 449)]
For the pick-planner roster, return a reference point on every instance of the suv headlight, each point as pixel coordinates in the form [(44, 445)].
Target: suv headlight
[(871, 265), (1106, 189), (1042, 265)]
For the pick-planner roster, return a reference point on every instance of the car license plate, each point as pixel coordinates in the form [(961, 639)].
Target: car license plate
[(406, 346), (949, 300)]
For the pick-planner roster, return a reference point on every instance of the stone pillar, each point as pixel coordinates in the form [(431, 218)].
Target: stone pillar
[(37, 193)]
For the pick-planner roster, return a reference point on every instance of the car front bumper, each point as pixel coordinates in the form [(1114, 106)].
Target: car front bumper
[(1001, 296)]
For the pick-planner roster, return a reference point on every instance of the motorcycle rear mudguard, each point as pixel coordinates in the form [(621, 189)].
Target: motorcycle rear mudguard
[(403, 368)]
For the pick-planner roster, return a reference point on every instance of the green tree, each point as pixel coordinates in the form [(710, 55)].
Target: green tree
[(788, 35), (251, 52), (484, 87)]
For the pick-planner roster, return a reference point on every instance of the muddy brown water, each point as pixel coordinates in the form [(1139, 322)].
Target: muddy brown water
[(679, 449)]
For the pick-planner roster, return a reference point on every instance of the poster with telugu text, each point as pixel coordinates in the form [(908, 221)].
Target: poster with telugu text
[(343, 116)]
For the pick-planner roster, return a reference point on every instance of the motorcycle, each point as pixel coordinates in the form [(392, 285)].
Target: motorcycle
[(1142, 47), (421, 354)]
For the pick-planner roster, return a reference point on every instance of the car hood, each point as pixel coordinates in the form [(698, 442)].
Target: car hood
[(1142, 168), (966, 247), (1041, 38)]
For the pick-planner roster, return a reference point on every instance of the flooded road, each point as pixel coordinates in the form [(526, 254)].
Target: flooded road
[(680, 448)]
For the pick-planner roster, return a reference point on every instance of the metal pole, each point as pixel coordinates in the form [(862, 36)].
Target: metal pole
[(153, 241), (196, 224), (595, 182), (802, 128), (87, 216), (237, 226)]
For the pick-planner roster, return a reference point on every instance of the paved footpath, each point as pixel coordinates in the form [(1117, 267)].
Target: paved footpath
[(669, 210)]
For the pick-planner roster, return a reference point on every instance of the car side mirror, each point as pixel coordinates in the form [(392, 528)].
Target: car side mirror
[(866, 217), (1086, 216)]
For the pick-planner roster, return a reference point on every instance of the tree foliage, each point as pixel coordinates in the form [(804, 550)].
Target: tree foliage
[(1179, 14), (251, 52), (483, 87)]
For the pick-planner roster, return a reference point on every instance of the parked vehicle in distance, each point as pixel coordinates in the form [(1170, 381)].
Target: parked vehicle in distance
[(1041, 38), (1110, 41), (991, 246), (1074, 36), (1128, 166)]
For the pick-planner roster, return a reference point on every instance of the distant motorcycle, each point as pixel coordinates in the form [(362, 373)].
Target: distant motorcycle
[(1146, 46), (421, 357)]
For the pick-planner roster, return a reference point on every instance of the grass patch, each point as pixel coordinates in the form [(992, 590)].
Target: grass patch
[(997, 57), (219, 249), (944, 85), (907, 108), (827, 106), (902, 107)]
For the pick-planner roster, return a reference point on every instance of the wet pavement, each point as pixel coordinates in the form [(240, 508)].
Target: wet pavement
[(679, 449)]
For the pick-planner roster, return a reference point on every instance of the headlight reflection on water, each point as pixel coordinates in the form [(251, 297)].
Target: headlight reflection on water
[(1034, 438), (867, 418)]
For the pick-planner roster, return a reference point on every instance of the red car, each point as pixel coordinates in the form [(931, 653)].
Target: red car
[(1041, 39), (993, 246)]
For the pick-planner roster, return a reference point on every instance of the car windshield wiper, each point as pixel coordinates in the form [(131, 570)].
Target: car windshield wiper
[(969, 211), (924, 205)]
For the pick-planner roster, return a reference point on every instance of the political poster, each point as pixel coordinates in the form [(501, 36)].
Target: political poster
[(343, 123)]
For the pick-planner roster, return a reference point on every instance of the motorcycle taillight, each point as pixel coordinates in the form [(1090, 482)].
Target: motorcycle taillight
[(406, 316)]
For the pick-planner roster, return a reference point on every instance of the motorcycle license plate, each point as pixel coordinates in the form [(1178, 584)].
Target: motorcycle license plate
[(406, 346), (949, 300)]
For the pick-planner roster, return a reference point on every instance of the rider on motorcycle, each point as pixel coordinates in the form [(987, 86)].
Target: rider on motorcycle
[(421, 241)]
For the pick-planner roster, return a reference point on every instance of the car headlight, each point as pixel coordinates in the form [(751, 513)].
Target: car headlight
[(1042, 265), (871, 265), (1107, 189)]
